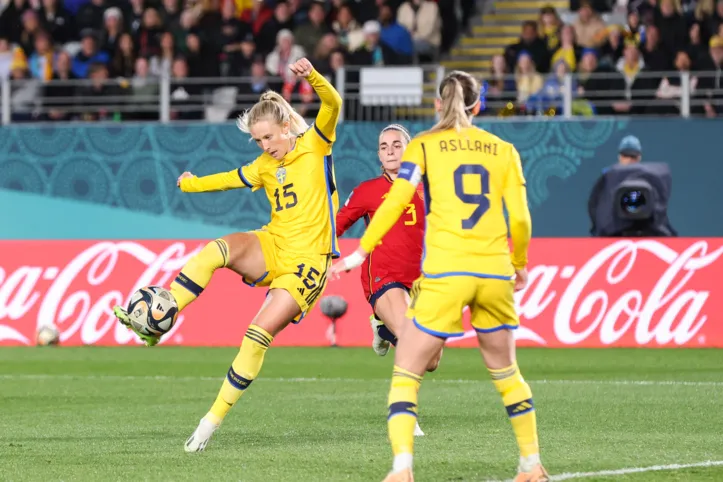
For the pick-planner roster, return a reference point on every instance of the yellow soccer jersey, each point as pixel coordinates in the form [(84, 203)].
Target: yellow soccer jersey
[(466, 176), (301, 189)]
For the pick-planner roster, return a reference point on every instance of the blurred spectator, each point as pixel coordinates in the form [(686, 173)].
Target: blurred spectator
[(711, 86), (336, 62), (373, 52), (102, 96), (144, 91), (656, 59), (124, 60), (160, 65), (171, 14), (612, 49), (31, 28), (347, 30), (716, 20), (149, 35), (60, 94), (702, 14), (421, 19), (696, 46), (113, 18), (589, 28), (500, 80), (134, 16), (527, 80), (184, 95), (549, 25), (393, 34), (322, 54), (259, 82), (569, 51), (266, 38), (57, 21), (90, 15), (40, 62), (629, 66), (647, 10), (6, 57), (10, 19), (670, 86), (200, 59), (672, 26), (550, 98), (285, 53), (531, 43), (24, 91), (88, 54), (598, 83), (633, 30), (299, 15), (309, 34)]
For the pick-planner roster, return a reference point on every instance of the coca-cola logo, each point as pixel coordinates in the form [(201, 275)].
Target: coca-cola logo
[(78, 298), (606, 297)]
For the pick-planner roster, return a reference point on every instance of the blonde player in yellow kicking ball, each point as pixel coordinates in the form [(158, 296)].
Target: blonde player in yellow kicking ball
[(466, 173), (291, 255)]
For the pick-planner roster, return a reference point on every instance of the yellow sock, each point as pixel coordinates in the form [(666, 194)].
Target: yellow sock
[(403, 410), (517, 397), (245, 367), (195, 276)]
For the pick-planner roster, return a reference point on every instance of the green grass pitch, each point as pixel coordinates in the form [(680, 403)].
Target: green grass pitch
[(319, 415)]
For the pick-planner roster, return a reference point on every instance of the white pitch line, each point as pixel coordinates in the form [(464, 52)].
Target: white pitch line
[(65, 376), (635, 470)]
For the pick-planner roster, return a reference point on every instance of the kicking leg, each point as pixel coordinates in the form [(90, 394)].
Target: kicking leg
[(411, 359), (278, 310), (240, 252)]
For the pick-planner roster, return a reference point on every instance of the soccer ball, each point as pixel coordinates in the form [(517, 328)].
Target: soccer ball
[(47, 336), (152, 311)]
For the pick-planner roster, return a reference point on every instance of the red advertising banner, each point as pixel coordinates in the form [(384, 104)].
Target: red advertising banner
[(582, 293)]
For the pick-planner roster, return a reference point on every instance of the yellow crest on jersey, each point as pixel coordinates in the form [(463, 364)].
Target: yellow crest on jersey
[(281, 175)]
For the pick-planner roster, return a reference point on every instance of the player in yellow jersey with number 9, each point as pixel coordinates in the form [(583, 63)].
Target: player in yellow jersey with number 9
[(466, 173), (291, 255)]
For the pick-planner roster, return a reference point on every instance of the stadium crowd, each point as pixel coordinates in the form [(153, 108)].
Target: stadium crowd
[(135, 41), (631, 68)]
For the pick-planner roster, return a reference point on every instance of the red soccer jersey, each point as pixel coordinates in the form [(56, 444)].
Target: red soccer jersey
[(398, 257)]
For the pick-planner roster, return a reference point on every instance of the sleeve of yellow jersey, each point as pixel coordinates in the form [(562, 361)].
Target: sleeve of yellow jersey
[(515, 195), (402, 191), (328, 116), (246, 176)]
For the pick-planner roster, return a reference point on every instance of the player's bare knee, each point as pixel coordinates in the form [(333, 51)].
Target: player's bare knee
[(434, 364)]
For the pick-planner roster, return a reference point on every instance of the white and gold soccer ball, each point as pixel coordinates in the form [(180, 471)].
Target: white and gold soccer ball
[(47, 336), (152, 310)]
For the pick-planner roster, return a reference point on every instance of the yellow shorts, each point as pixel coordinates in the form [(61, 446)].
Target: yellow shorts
[(303, 276), (437, 304)]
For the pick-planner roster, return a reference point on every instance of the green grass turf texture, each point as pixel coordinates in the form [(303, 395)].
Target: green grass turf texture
[(98, 414)]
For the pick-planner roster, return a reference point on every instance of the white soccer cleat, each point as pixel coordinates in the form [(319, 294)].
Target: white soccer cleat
[(380, 345), (199, 439), (418, 430)]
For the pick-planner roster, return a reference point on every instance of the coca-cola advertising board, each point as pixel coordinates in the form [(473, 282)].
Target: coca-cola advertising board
[(581, 293)]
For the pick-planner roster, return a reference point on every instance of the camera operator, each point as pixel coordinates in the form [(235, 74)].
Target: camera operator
[(630, 199)]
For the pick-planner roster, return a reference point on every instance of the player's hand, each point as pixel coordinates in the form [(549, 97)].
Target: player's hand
[(520, 279), (347, 264), (183, 176), (302, 68)]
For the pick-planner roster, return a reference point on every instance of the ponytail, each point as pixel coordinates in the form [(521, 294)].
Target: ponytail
[(272, 106), (458, 94)]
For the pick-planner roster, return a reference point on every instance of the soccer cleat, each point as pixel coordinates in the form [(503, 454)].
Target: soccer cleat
[(122, 316), (401, 476), (199, 439), (538, 474), (418, 430), (380, 345)]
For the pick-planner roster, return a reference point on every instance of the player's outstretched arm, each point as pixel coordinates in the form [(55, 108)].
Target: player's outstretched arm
[(246, 176), (331, 101), (350, 212), (515, 196)]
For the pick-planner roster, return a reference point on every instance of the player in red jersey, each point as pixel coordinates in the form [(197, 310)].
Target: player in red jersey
[(387, 275)]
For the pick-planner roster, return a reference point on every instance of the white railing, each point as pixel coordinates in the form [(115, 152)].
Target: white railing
[(369, 94)]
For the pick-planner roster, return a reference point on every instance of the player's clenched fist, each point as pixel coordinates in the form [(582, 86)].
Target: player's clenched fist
[(183, 176), (302, 67)]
